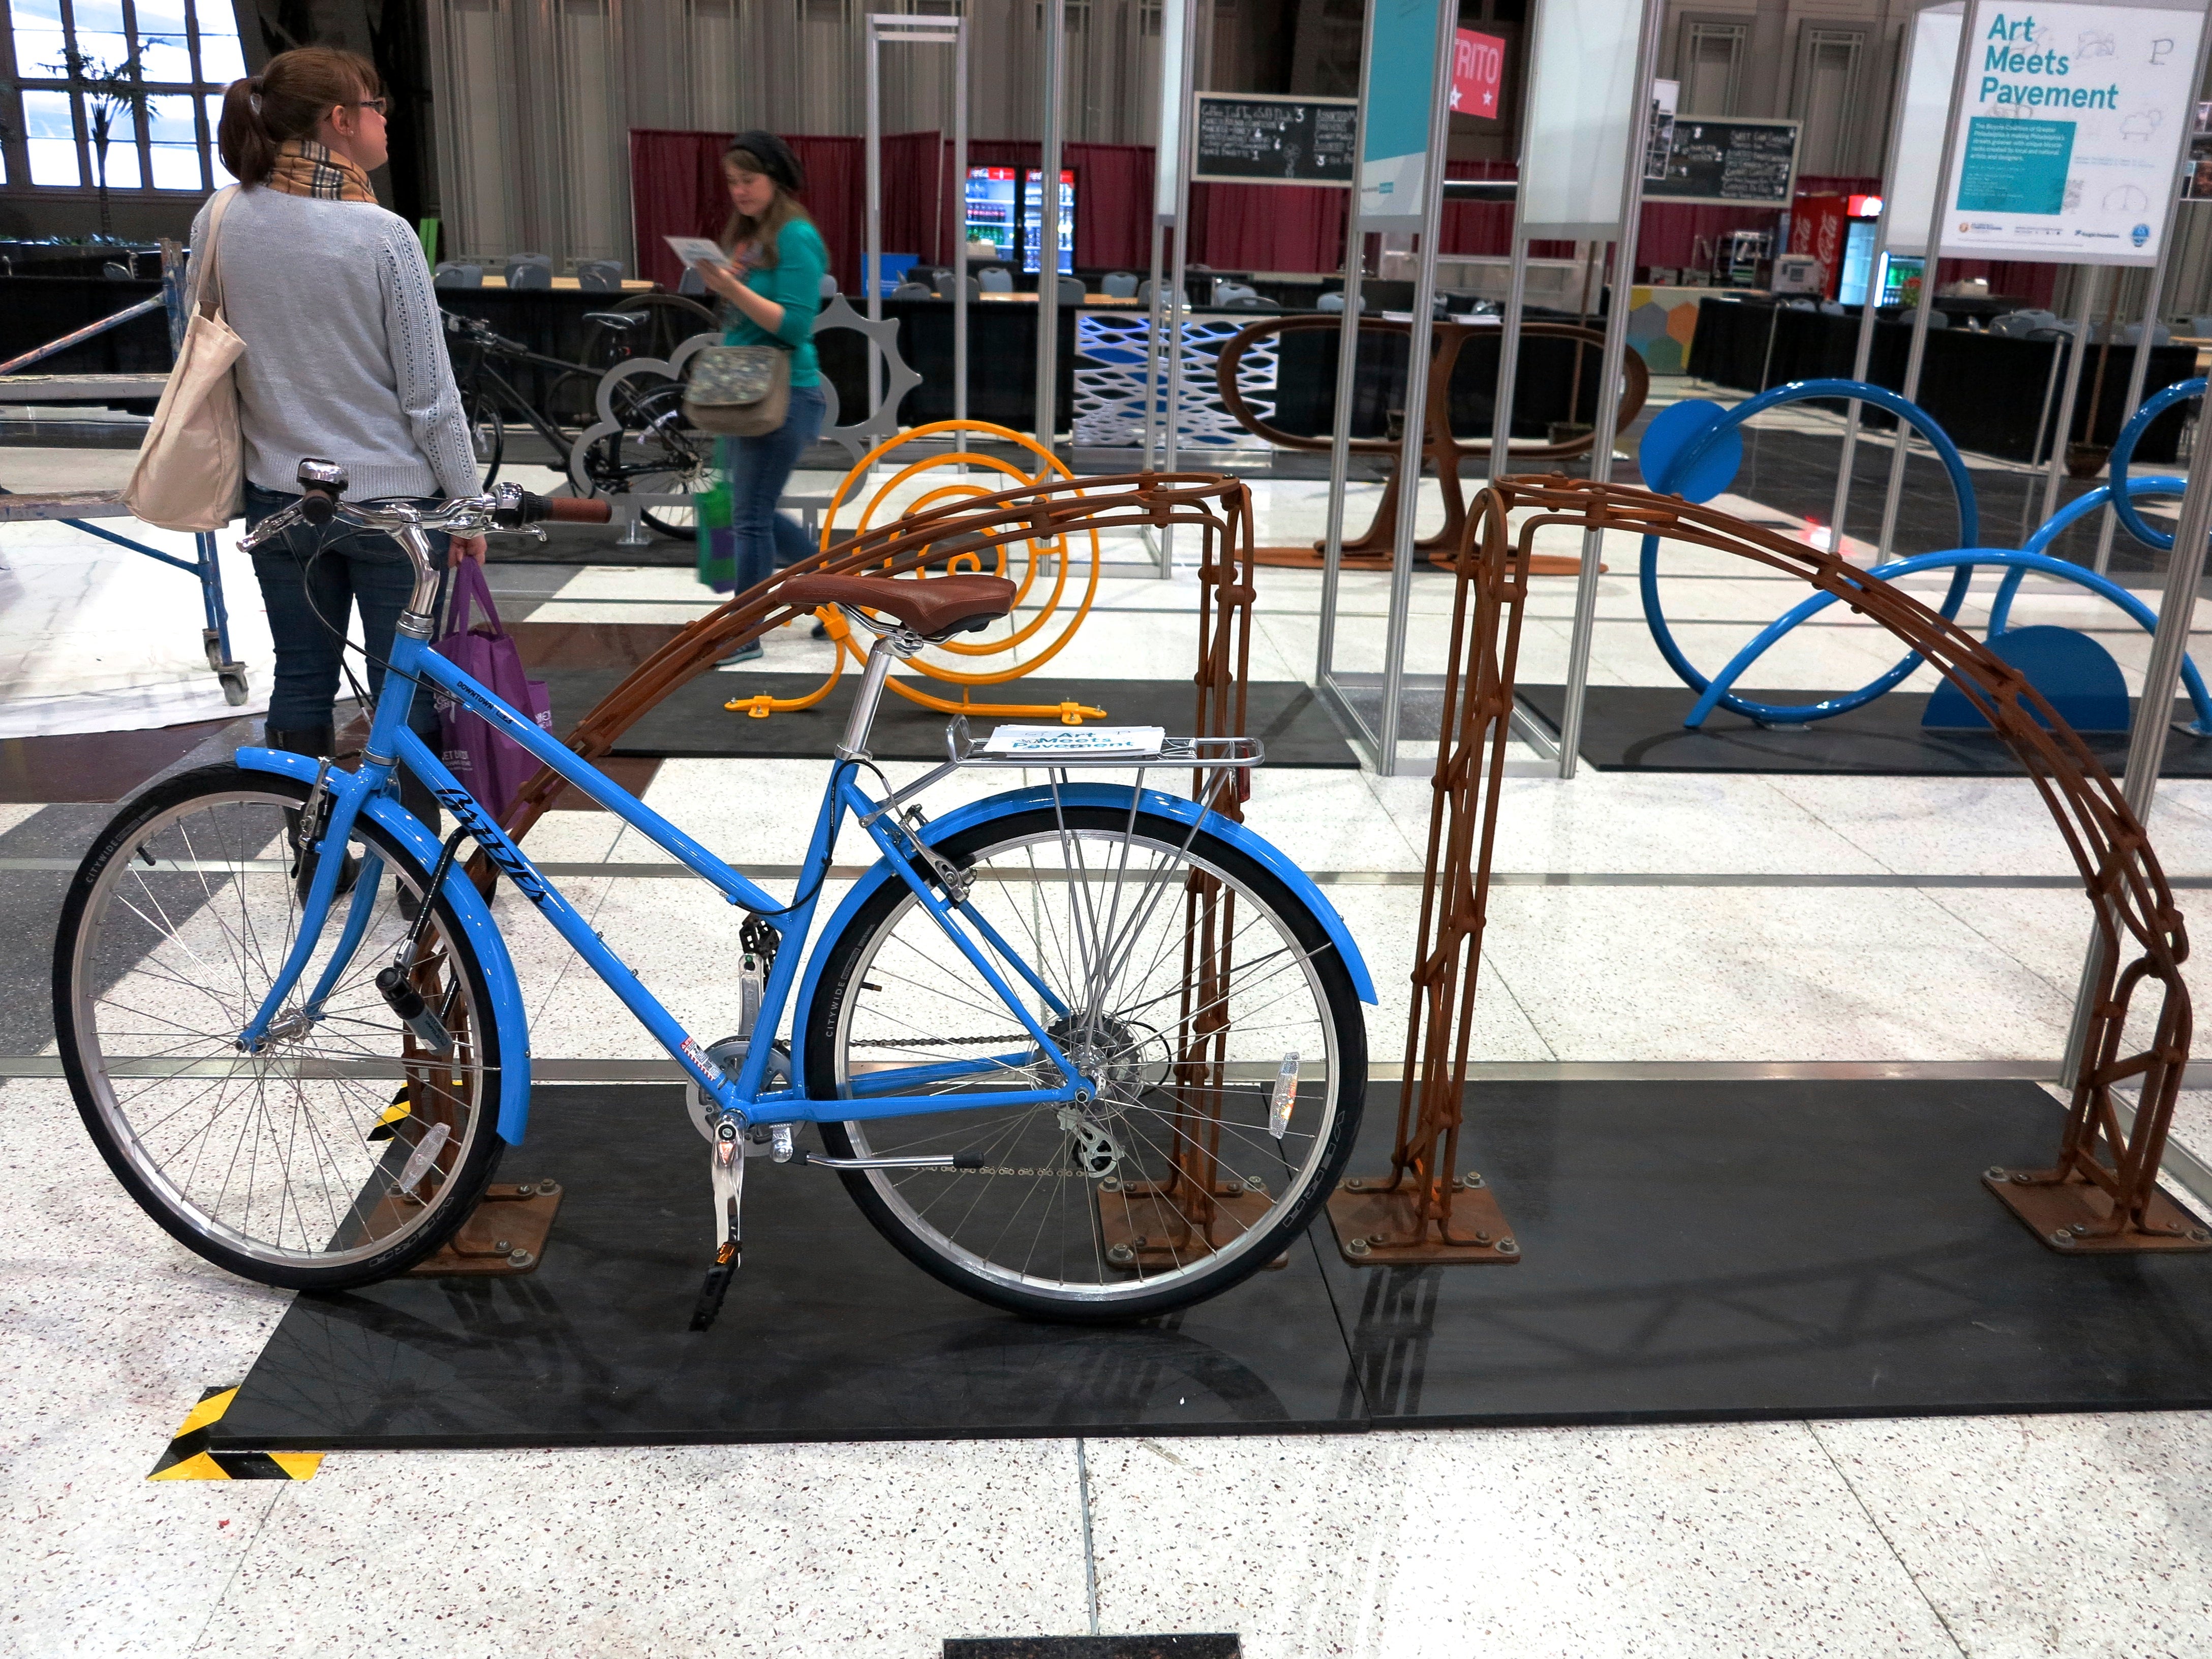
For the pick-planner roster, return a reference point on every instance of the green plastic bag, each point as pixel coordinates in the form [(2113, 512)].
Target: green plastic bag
[(718, 542)]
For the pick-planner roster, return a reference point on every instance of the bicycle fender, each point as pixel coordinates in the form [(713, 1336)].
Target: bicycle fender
[(1178, 807), (506, 992)]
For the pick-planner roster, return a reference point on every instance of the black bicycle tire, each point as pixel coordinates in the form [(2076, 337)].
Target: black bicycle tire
[(478, 400), (843, 954), (480, 1161), (674, 531)]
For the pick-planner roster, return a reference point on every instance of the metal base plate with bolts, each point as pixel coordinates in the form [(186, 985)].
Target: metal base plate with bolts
[(1376, 1225), (2068, 1215), (505, 1235), (1144, 1231)]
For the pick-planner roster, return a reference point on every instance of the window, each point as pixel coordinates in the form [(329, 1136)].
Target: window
[(1711, 58), (1827, 88), (120, 92)]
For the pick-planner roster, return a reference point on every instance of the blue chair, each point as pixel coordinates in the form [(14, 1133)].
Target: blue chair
[(452, 274), (1119, 285), (995, 279), (599, 276)]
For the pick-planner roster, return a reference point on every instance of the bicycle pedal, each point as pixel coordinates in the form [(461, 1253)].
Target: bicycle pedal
[(728, 1260)]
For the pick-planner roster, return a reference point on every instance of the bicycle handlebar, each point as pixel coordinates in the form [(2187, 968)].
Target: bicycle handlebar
[(508, 507)]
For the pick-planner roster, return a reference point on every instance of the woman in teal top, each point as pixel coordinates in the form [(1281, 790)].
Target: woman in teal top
[(771, 289)]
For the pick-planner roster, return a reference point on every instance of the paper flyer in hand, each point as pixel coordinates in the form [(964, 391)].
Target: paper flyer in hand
[(696, 250), (1075, 742)]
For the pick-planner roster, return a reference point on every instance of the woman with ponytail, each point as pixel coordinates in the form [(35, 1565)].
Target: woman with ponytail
[(345, 359), (771, 289)]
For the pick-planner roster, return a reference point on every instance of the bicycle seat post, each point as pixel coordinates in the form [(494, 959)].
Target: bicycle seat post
[(892, 644)]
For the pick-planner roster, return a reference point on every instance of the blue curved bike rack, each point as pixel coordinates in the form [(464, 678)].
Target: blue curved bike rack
[(1683, 465), (2123, 452), (1700, 440)]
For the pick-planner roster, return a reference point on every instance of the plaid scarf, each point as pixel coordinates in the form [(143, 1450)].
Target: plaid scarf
[(305, 167)]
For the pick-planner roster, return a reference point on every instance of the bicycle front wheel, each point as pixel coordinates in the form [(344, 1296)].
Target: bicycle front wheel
[(1190, 983), (345, 1150)]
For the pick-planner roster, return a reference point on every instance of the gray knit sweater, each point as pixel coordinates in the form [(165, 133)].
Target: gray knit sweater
[(345, 357)]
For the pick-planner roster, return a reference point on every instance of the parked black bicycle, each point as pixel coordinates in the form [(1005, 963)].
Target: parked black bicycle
[(653, 451)]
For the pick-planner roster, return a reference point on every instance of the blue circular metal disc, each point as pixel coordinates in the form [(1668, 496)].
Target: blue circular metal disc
[(1676, 429)]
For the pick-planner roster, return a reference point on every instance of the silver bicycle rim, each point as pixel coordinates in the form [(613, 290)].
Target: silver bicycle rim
[(295, 1157), (1031, 1200)]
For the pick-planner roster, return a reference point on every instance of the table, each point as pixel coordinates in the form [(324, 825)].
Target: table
[(1984, 390)]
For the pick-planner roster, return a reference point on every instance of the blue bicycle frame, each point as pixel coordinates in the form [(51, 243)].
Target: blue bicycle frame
[(880, 1094)]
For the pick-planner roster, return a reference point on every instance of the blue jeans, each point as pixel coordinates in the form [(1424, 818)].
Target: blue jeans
[(759, 469), (311, 577)]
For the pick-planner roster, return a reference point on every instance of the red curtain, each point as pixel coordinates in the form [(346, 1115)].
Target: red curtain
[(913, 199), (1268, 227), (675, 189), (1113, 206)]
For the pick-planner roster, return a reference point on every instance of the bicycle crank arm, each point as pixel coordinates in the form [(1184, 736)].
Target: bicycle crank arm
[(728, 1169)]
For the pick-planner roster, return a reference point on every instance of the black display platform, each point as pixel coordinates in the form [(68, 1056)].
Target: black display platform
[(1638, 728), (1690, 1252), (691, 721)]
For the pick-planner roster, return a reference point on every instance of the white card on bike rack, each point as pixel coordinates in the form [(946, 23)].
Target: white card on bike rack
[(1075, 742)]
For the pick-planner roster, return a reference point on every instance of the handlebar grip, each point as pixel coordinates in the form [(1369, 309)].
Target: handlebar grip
[(572, 510), (318, 508)]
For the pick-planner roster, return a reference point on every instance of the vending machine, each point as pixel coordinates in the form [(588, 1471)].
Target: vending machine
[(1033, 218), (991, 210)]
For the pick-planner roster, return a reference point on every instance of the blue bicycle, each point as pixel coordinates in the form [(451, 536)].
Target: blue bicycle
[(1084, 1050)]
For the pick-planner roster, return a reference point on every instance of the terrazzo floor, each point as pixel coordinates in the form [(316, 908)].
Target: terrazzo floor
[(1995, 1537)]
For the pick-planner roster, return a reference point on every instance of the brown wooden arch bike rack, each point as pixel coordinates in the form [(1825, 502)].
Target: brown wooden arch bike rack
[(1440, 447), (2101, 1194), (1218, 510)]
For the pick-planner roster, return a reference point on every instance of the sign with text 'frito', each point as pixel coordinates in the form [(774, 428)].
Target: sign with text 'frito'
[(1477, 70)]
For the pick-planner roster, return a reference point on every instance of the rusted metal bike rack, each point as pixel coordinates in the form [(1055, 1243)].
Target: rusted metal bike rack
[(1439, 449), (2100, 1195)]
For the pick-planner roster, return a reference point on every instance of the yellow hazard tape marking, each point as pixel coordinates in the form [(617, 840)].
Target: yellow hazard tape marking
[(188, 1458), (395, 1113)]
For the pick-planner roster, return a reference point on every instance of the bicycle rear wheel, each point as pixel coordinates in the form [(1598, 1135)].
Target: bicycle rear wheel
[(345, 1151), (487, 420), (657, 453), (1191, 980)]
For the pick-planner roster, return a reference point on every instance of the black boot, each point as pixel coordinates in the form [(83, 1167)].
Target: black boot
[(316, 743)]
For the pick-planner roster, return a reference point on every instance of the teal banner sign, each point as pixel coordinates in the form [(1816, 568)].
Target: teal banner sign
[(1401, 91)]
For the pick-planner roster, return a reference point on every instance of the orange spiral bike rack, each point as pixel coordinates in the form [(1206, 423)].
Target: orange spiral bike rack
[(2101, 1193), (1024, 561)]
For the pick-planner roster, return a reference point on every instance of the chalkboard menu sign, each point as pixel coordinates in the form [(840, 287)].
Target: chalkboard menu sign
[(1247, 140), (1738, 163)]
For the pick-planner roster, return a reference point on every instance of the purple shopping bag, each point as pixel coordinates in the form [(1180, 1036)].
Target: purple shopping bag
[(489, 765)]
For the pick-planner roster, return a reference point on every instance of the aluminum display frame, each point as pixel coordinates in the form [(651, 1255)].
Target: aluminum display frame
[(932, 29)]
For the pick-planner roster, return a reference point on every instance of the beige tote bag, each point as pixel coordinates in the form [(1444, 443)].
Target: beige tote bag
[(191, 465)]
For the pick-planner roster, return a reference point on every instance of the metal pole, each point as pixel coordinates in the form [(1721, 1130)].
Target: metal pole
[(1961, 64), (1047, 313), (1339, 433), (960, 213), (2177, 609), (1419, 342), (1609, 396), (1153, 348), (2077, 346), (1508, 353), (1862, 355), (871, 272), (1186, 117)]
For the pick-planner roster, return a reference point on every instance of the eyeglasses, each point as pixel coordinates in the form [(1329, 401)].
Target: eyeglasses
[(381, 106)]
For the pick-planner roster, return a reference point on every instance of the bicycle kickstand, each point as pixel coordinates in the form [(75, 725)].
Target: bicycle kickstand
[(728, 1156)]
